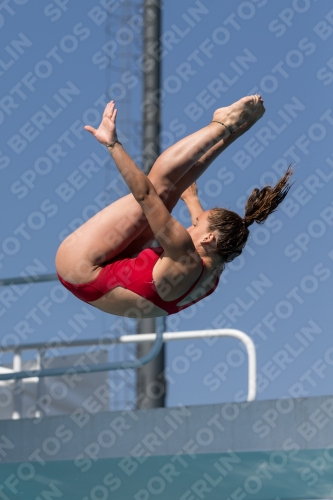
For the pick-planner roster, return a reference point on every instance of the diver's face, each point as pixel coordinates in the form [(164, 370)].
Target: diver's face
[(200, 227)]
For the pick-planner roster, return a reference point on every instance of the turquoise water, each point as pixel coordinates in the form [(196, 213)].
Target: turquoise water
[(259, 475)]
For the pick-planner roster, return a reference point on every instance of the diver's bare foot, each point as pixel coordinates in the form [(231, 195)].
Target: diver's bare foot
[(230, 138), (234, 116), (250, 122)]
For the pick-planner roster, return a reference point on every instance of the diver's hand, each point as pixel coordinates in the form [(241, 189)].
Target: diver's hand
[(106, 133)]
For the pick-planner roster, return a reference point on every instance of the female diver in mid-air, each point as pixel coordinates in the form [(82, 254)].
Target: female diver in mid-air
[(103, 263)]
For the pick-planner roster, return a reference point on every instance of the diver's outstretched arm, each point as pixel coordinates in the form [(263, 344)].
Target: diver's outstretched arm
[(191, 199)]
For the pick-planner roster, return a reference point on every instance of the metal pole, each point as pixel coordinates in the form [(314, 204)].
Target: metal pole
[(151, 384), (40, 383), (18, 385), (151, 82), (150, 379), (26, 280)]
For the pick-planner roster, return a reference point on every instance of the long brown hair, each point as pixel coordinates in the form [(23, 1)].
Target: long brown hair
[(232, 230)]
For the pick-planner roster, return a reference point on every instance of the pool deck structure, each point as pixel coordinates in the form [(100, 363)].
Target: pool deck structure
[(278, 449)]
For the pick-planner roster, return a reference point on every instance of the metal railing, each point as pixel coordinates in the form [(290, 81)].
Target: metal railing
[(26, 280), (159, 338), (52, 372)]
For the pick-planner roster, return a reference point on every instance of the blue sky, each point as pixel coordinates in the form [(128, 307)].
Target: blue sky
[(58, 66)]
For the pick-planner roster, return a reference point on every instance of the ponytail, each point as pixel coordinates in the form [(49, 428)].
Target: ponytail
[(265, 201), (232, 231)]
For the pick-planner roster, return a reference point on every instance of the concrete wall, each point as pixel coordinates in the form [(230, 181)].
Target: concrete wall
[(244, 427)]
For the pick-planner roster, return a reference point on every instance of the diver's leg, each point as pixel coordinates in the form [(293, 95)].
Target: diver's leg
[(108, 233)]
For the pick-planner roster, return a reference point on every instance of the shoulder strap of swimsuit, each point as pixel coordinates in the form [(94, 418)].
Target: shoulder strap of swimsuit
[(159, 251), (180, 308), (182, 297)]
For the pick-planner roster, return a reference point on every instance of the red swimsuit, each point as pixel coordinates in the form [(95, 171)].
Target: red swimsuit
[(136, 275)]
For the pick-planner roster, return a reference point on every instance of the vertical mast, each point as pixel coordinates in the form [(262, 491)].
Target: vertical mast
[(150, 380)]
